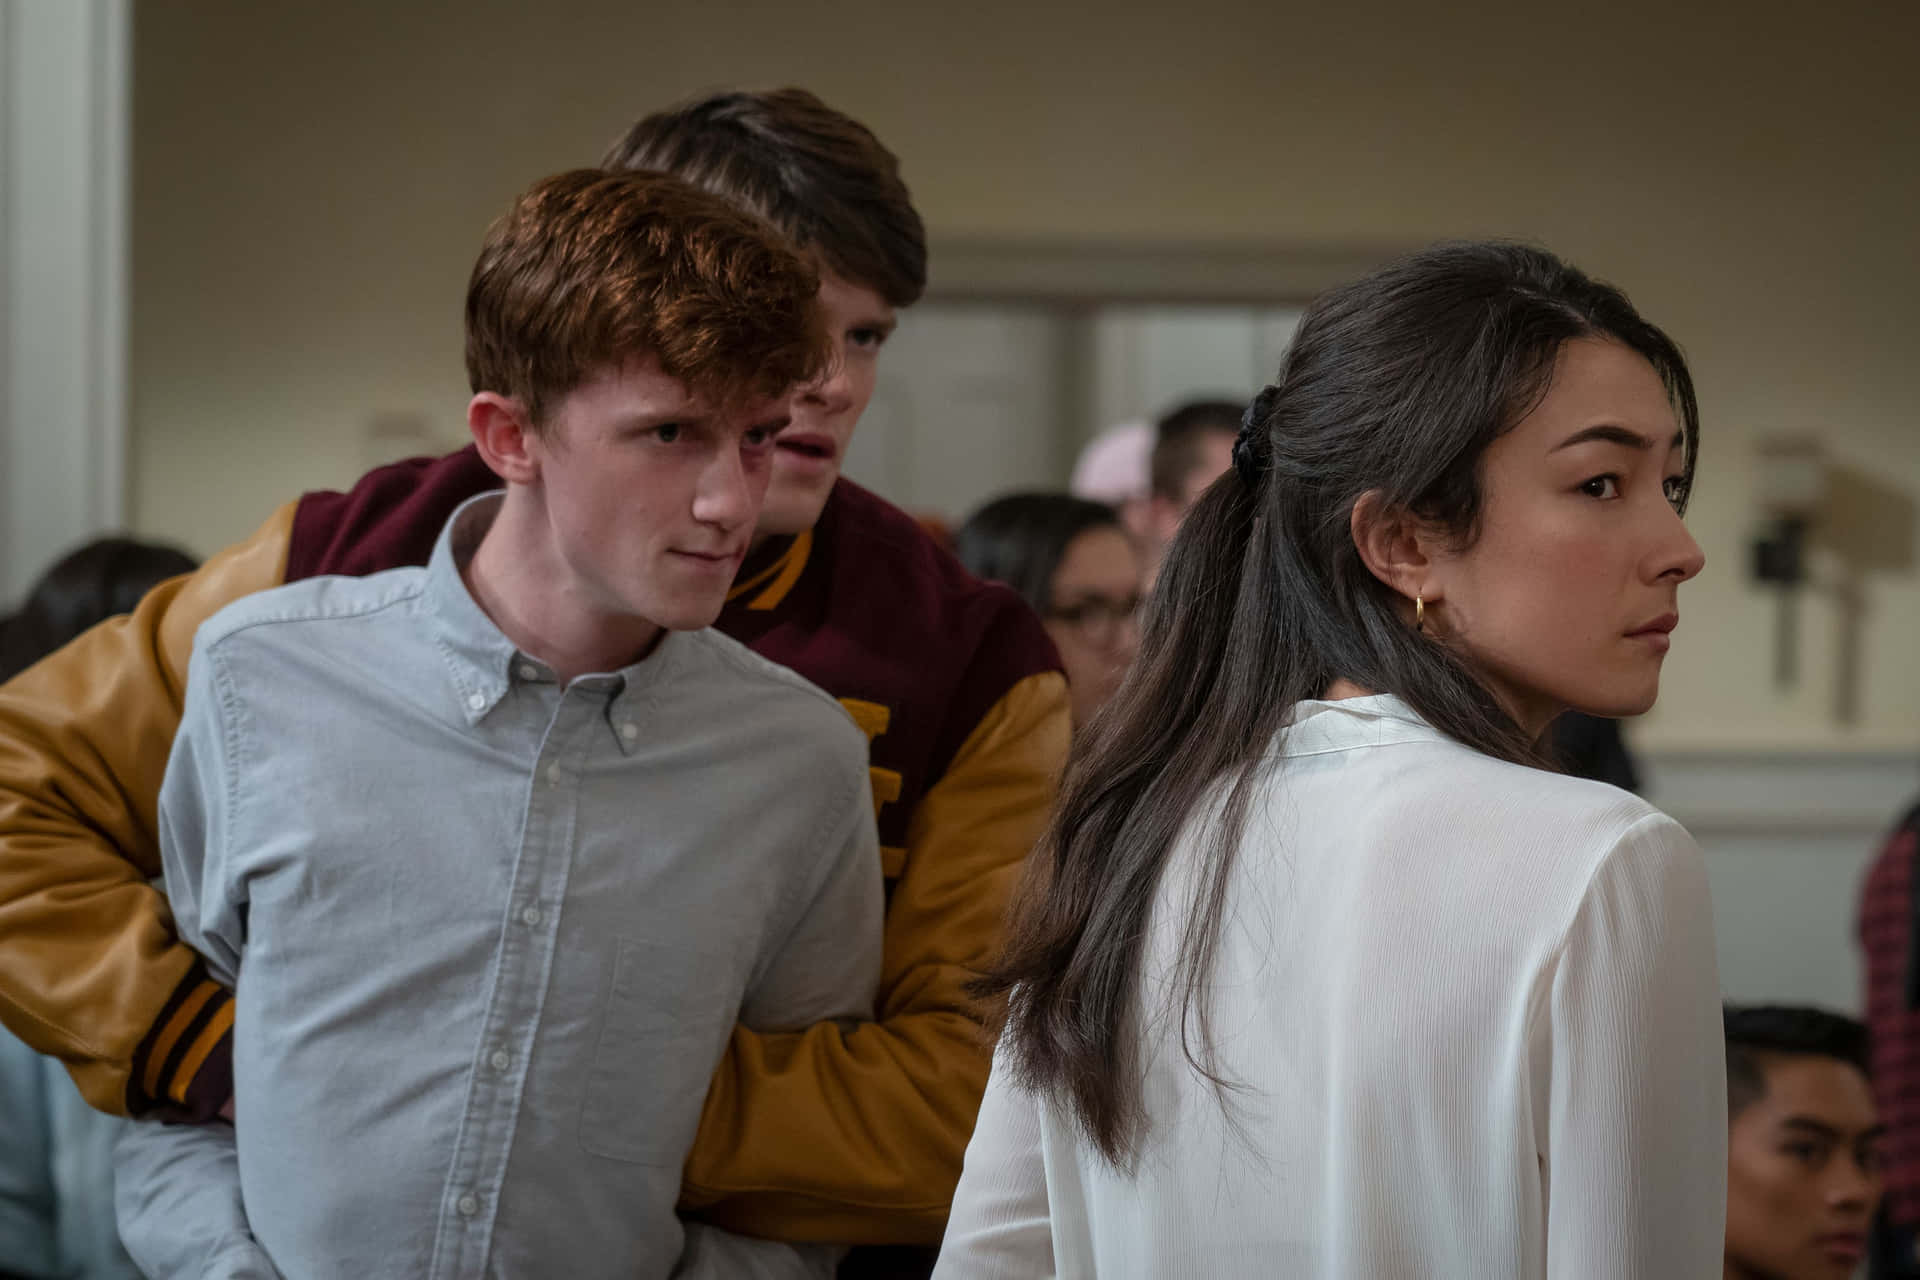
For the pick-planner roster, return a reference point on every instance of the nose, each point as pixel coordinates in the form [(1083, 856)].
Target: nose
[(832, 391), (1678, 557), (726, 494), (1852, 1187)]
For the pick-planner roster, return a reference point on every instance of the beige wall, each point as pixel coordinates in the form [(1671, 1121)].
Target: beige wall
[(312, 180)]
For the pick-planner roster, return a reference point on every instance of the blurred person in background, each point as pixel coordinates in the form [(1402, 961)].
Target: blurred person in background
[(1803, 1144), (103, 579), (1077, 566), (1116, 468), (1592, 747), (1192, 445), (56, 1152), (1889, 931)]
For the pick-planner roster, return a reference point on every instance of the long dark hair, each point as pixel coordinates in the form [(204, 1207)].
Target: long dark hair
[(1021, 538), (1394, 384), (87, 585)]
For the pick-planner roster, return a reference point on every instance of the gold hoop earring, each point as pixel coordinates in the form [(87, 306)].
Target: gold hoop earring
[(1419, 614)]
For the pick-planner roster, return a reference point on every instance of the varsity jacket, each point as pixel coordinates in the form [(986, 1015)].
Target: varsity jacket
[(833, 1134)]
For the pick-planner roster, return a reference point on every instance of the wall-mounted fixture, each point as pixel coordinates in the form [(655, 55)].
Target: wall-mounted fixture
[(1791, 484)]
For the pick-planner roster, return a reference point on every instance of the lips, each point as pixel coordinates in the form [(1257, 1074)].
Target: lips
[(718, 559), (1662, 625), (806, 444), (1843, 1246)]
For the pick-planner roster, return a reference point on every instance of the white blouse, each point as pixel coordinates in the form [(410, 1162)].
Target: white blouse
[(1473, 1020)]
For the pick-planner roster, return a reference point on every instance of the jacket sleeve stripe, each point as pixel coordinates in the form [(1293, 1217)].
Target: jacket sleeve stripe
[(189, 1069), (172, 1032)]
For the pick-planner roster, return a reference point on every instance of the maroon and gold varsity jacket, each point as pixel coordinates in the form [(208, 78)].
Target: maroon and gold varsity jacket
[(829, 1134)]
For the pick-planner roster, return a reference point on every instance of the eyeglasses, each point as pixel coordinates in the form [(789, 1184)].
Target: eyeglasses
[(1098, 619)]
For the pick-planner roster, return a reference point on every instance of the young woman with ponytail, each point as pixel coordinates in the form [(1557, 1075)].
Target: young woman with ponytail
[(1320, 970)]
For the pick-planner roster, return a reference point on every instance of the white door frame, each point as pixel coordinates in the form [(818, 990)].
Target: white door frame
[(65, 130)]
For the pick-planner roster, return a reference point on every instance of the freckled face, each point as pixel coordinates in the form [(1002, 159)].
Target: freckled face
[(808, 454), (1568, 595), (650, 494)]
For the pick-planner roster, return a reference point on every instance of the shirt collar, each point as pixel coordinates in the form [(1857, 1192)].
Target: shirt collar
[(478, 655), (1375, 720), (484, 664)]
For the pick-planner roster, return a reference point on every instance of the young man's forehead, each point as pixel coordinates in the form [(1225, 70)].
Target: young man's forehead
[(1814, 1088), (641, 376)]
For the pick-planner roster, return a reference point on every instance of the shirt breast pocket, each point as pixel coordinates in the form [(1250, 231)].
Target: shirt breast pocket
[(664, 1022)]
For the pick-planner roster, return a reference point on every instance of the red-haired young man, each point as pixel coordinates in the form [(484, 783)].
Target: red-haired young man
[(842, 1134), (493, 853)]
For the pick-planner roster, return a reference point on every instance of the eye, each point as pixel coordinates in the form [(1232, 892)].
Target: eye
[(667, 432), (1813, 1154), (866, 339), (758, 437), (1607, 486), (1676, 488)]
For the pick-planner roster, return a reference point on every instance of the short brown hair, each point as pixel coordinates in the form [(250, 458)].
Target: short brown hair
[(816, 174), (589, 270)]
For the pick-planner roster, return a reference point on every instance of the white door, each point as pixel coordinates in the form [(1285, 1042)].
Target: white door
[(969, 405)]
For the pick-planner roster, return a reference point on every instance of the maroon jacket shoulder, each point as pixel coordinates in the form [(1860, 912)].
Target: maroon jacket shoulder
[(390, 518), (885, 616), (992, 634)]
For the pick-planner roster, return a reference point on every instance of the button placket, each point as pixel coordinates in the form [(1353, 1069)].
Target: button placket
[(512, 1019)]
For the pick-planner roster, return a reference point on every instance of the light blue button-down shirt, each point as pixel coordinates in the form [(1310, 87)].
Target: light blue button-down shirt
[(488, 935)]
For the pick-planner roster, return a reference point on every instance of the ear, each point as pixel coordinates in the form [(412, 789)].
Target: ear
[(503, 432), (1397, 548)]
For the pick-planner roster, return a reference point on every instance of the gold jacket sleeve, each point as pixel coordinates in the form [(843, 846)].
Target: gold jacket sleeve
[(855, 1136), (89, 965)]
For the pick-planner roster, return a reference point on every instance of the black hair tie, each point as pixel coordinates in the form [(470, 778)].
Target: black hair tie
[(1246, 456)]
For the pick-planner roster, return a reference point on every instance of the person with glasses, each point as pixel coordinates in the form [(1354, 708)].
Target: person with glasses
[(1073, 561)]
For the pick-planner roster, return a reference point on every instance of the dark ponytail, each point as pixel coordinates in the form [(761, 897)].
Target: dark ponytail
[(1395, 385)]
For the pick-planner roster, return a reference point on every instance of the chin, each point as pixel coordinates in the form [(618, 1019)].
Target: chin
[(687, 615), (1617, 702), (692, 621)]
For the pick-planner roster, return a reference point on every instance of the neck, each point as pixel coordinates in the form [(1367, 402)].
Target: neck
[(1342, 689), (1532, 713), (520, 581)]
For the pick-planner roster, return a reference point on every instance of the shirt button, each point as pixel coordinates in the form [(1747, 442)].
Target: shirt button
[(553, 774), (468, 1206), (529, 672), (629, 731), (476, 700), (530, 917), (500, 1060)]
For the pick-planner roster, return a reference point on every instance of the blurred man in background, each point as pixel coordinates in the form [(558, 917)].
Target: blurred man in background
[(1803, 1144), (1192, 446), (1890, 937)]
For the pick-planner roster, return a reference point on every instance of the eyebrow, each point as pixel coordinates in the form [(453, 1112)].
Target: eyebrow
[(1820, 1129), (1609, 433)]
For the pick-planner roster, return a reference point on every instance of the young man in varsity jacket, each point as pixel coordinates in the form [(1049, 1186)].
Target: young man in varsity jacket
[(835, 1134)]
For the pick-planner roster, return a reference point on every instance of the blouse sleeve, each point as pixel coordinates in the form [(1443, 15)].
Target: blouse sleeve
[(1000, 1229), (1635, 1154)]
